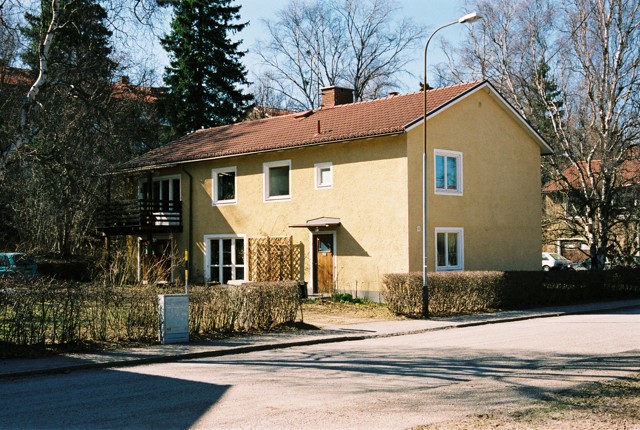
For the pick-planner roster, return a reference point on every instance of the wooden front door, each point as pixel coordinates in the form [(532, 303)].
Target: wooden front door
[(323, 263)]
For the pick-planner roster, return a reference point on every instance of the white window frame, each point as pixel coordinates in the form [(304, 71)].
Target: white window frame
[(318, 168), (451, 154), (207, 255), (214, 186), (460, 244), (265, 180)]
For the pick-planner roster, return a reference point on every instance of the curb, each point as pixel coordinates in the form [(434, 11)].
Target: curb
[(283, 345)]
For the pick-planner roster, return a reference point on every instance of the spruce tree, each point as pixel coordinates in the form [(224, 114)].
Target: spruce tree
[(82, 47), (205, 73)]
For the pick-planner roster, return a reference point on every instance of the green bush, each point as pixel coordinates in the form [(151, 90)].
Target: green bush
[(346, 298), (468, 292)]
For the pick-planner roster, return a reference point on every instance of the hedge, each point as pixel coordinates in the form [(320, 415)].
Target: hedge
[(54, 313), (469, 292)]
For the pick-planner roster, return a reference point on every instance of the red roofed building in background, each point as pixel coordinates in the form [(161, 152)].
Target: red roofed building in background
[(567, 223)]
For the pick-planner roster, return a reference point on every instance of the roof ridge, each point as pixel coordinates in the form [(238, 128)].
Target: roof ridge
[(394, 96)]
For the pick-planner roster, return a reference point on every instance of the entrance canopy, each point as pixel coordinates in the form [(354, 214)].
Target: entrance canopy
[(319, 223)]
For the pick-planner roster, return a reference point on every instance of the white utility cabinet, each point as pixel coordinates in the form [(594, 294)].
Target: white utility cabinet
[(173, 310)]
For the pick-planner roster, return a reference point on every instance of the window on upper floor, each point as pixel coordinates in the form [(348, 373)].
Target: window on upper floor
[(323, 175), (448, 172), (224, 185), (277, 180), (449, 249), (165, 192)]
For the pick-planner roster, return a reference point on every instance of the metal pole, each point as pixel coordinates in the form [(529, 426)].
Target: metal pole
[(186, 272), (425, 287)]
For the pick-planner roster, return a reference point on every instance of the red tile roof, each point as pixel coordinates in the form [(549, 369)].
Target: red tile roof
[(378, 117), (15, 76), (628, 174)]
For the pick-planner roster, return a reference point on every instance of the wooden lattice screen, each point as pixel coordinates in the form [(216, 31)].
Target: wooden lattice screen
[(274, 259)]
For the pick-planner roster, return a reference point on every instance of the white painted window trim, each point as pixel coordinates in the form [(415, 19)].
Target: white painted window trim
[(318, 168), (460, 243), (452, 154), (207, 254), (265, 181), (214, 186)]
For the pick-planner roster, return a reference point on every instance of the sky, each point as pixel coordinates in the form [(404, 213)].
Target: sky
[(429, 13)]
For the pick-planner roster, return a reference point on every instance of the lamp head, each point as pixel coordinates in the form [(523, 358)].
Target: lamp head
[(470, 17)]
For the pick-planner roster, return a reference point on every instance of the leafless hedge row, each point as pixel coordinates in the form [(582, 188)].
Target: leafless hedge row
[(255, 306), (51, 313), (467, 292)]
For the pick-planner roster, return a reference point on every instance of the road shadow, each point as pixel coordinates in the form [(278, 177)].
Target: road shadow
[(105, 399), (531, 377)]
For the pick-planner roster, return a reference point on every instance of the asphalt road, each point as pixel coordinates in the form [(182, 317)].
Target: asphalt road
[(396, 382)]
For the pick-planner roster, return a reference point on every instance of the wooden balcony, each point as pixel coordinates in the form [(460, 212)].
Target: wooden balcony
[(131, 217)]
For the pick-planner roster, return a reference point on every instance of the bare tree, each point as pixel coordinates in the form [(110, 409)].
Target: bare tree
[(360, 44), (67, 123), (124, 16), (9, 33), (589, 50)]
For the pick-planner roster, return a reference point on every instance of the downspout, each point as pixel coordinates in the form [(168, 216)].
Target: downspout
[(189, 238)]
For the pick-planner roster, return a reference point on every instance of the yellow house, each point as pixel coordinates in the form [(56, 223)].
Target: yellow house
[(333, 196)]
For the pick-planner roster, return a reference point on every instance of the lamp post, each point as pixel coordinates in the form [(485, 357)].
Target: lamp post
[(470, 17)]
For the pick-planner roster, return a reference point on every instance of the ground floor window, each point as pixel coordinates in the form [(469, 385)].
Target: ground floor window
[(225, 258), (449, 249)]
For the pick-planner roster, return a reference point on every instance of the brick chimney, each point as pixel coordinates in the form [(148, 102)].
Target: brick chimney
[(334, 96)]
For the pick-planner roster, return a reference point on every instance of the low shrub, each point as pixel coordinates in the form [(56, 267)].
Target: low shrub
[(346, 298), (464, 292), (468, 292), (46, 312), (50, 312), (251, 306), (403, 293)]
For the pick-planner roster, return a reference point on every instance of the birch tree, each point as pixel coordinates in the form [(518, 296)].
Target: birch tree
[(73, 124), (591, 52)]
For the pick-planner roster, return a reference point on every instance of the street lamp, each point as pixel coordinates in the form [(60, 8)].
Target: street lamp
[(470, 17)]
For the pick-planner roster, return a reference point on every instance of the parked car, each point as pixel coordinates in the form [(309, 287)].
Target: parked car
[(17, 264), (580, 265), (586, 265), (553, 261)]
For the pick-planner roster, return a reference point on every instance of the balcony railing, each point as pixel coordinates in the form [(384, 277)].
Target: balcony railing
[(138, 216)]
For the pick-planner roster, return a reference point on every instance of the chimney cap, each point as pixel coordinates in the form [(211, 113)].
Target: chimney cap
[(336, 87)]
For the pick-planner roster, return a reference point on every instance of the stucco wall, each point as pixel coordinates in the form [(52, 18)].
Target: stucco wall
[(500, 208), (369, 195), (377, 194)]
